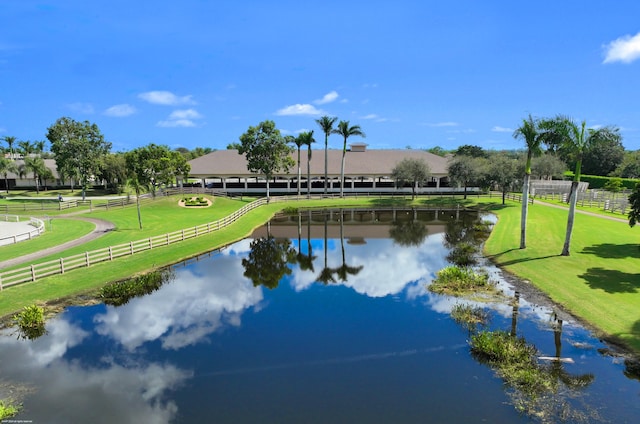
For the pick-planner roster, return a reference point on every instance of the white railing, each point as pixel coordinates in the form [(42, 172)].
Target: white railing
[(27, 235)]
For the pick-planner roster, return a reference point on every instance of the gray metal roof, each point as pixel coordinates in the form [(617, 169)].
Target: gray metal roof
[(227, 163)]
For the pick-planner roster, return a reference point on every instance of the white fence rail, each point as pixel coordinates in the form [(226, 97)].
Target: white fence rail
[(37, 224)]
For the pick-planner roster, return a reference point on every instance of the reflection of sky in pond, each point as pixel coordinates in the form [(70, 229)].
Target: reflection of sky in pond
[(211, 347)]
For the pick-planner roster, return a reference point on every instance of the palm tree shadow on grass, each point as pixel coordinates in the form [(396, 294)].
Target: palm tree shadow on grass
[(613, 251), (517, 261), (611, 280)]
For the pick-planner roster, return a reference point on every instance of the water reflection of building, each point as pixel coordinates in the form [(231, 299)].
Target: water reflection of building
[(361, 223)]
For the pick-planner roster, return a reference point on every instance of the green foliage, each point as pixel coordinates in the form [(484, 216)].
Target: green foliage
[(266, 150), (469, 317), (195, 201), (465, 171), (470, 151), (411, 171), (267, 261), (30, 322), (596, 181), (290, 210), (464, 254), (614, 185), (634, 203), (119, 293), (456, 281), (408, 233), (8, 410), (78, 147)]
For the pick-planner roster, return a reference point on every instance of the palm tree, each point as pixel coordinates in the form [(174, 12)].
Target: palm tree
[(326, 123), (36, 166), (306, 138), (10, 142), (26, 147), (39, 147), (346, 131), (299, 143), (576, 138), (6, 166), (533, 138)]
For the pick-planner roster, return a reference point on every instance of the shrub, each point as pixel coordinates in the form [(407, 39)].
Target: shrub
[(469, 317), (464, 254), (30, 322), (120, 293), (8, 410), (454, 280)]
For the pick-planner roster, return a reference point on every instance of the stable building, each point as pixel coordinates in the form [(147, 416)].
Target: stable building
[(365, 171)]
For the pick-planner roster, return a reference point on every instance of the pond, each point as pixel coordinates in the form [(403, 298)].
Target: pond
[(318, 317)]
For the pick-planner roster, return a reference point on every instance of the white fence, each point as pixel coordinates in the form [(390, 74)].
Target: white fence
[(37, 224)]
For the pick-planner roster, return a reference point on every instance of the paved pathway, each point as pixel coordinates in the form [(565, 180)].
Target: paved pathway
[(102, 227)]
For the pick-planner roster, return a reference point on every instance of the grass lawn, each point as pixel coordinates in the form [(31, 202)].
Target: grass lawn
[(599, 282), (58, 231)]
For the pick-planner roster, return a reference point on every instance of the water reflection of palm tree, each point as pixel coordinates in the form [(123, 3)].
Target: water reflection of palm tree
[(326, 275), (305, 261), (345, 270)]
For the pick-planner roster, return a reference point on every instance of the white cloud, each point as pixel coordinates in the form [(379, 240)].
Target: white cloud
[(625, 49), (327, 98), (185, 114), (79, 107), (180, 118), (120, 111), (165, 98), (370, 116), (442, 124), (299, 109), (498, 128)]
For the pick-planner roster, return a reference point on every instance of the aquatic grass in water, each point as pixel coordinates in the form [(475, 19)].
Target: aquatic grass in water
[(456, 281), (469, 317), (8, 410), (30, 322)]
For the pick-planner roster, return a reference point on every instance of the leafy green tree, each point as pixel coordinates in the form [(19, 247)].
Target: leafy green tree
[(151, 166), (613, 185), (326, 123), (10, 140), (78, 147), (470, 150), (437, 150), (548, 166), (346, 131), (307, 139), (463, 171), (6, 166), (533, 137), (26, 148), (268, 261), (576, 138), (502, 172), (630, 166), (234, 146), (113, 170), (634, 203), (604, 155), (411, 171), (266, 150)]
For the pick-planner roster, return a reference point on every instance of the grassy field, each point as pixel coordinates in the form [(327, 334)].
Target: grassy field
[(599, 282)]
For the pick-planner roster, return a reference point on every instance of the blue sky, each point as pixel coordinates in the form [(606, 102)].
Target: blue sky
[(410, 73)]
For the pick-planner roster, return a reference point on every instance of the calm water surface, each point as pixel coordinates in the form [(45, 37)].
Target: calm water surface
[(372, 345)]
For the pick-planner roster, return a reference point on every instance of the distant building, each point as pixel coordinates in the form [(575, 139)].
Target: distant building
[(365, 171)]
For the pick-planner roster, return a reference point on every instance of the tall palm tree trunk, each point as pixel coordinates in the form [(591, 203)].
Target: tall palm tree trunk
[(525, 211), (572, 214), (298, 171), (344, 153), (326, 161), (309, 173)]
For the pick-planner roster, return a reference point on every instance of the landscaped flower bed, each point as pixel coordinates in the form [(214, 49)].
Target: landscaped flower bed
[(195, 201)]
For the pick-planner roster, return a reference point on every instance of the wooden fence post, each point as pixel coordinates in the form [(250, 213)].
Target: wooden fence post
[(110, 253), (61, 265), (131, 247), (33, 273), (86, 256)]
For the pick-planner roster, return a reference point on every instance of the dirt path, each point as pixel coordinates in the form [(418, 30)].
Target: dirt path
[(102, 227)]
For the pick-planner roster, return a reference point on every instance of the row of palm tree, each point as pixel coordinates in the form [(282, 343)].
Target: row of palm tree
[(576, 138), (345, 130), (33, 163)]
